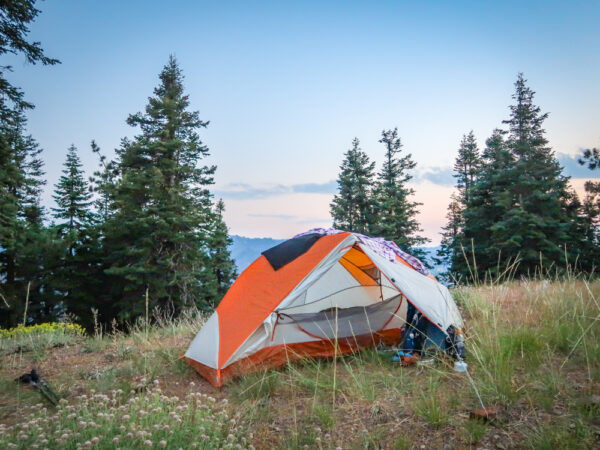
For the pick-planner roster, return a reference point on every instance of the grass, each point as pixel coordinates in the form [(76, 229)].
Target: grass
[(533, 351), (38, 338), (151, 419)]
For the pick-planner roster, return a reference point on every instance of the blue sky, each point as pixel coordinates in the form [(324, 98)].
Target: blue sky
[(288, 85)]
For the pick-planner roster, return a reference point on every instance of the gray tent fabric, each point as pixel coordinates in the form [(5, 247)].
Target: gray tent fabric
[(346, 322)]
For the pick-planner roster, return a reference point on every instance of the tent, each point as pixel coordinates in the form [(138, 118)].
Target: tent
[(319, 294)]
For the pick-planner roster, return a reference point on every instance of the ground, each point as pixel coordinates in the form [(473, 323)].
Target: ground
[(534, 355)]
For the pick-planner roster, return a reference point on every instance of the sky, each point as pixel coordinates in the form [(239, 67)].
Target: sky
[(286, 86)]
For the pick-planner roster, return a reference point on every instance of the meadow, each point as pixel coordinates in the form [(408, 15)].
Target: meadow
[(533, 352)]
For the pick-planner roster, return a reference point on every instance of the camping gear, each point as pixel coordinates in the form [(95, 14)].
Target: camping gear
[(460, 366), (320, 294), (34, 380)]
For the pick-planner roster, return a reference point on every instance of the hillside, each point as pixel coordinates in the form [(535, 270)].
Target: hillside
[(534, 353)]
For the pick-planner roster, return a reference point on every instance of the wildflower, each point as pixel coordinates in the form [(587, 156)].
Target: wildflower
[(148, 443), (122, 428), (156, 382), (87, 444), (44, 441), (95, 440), (126, 417), (116, 440), (162, 443)]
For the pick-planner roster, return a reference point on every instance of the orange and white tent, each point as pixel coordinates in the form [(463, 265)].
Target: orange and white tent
[(320, 294)]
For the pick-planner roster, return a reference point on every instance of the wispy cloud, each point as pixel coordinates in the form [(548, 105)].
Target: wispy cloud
[(274, 216), (572, 168), (242, 191), (441, 176)]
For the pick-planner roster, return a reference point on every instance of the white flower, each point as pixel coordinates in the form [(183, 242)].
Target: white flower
[(162, 443), (148, 443)]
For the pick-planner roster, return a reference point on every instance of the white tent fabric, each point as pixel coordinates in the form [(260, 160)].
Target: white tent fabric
[(430, 297), (330, 285)]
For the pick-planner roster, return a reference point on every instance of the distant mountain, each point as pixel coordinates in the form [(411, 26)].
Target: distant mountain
[(245, 250)]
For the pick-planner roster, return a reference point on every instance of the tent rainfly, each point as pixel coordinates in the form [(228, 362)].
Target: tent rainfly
[(319, 294)]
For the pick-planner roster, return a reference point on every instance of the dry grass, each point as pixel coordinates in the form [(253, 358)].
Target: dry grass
[(534, 352)]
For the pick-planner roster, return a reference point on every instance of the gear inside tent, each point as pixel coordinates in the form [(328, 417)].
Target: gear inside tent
[(319, 294)]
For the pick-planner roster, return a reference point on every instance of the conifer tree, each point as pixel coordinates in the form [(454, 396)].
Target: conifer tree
[(352, 207), (590, 214), (451, 233), (15, 18), (157, 232), (534, 226), (22, 235), (474, 247), (520, 207), (466, 166), (221, 268), (395, 211), (76, 274), (72, 195)]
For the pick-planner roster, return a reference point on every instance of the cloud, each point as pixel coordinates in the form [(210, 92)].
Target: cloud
[(311, 221), (242, 191), (441, 176), (572, 168), (316, 188), (274, 216)]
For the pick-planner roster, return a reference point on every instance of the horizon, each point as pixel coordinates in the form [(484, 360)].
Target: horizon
[(287, 87)]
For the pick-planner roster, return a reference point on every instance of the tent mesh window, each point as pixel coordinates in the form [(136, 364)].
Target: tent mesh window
[(337, 323)]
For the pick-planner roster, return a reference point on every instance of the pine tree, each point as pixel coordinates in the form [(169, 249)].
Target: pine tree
[(535, 226), (466, 166), (520, 208), (221, 268), (22, 235), (158, 229), (15, 18), (352, 208), (590, 214), (451, 234), (488, 202), (72, 195), (76, 276), (466, 169), (396, 213)]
